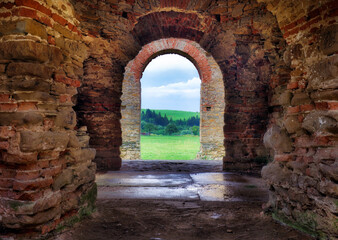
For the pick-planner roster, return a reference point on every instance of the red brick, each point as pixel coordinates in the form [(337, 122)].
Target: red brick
[(293, 110), (27, 106), (50, 172), (5, 14), (322, 105), (27, 175), (6, 5), (44, 20), (6, 182), (306, 107), (4, 98), (4, 145), (333, 105), (65, 98), (25, 12), (8, 107), (32, 184), (67, 80), (284, 158), (51, 40), (300, 118), (292, 85), (6, 132), (59, 19)]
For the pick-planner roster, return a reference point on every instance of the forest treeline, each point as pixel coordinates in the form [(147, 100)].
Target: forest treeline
[(155, 123)]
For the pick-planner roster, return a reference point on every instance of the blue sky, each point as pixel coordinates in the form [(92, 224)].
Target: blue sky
[(172, 82)]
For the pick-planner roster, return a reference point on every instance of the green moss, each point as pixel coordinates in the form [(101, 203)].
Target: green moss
[(87, 203), (89, 197), (262, 160), (16, 204), (306, 223)]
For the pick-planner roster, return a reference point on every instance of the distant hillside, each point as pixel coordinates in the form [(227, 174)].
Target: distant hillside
[(176, 115)]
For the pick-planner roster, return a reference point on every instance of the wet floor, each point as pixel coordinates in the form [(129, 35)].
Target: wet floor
[(179, 200), (205, 186)]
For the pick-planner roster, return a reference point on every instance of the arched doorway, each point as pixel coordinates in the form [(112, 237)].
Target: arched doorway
[(212, 97)]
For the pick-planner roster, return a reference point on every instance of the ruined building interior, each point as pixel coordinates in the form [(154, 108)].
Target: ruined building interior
[(70, 101)]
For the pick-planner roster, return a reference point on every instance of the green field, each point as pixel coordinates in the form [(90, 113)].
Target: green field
[(176, 115), (169, 147)]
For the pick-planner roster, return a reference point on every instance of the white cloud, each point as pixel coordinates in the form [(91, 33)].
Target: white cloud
[(169, 62), (189, 89)]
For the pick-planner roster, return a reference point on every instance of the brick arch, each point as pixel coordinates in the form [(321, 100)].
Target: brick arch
[(212, 97)]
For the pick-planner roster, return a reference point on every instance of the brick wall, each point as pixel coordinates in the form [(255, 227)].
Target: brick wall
[(212, 97), (303, 126), (46, 170)]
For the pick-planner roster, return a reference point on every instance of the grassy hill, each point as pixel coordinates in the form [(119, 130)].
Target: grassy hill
[(175, 114)]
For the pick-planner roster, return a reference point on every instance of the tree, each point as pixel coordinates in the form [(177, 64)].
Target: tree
[(171, 128), (149, 127), (195, 130)]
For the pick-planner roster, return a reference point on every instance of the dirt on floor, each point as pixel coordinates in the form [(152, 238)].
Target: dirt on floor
[(180, 220), (138, 219)]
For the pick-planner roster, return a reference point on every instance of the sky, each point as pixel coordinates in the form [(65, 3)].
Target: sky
[(171, 82)]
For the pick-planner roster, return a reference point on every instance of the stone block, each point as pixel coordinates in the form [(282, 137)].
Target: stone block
[(34, 96), (24, 50), (285, 98), (66, 177), (21, 221), (276, 175), (324, 74), (73, 141), (41, 141), (317, 122), (292, 124), (66, 118), (330, 171), (329, 39), (30, 51), (32, 27), (277, 139), (26, 68), (325, 95), (300, 98), (22, 118), (29, 83)]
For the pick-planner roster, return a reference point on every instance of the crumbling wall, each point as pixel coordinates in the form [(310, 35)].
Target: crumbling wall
[(231, 32), (303, 125), (46, 170)]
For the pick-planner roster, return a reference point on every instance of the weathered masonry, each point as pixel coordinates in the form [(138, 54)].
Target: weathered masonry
[(212, 98), (65, 66)]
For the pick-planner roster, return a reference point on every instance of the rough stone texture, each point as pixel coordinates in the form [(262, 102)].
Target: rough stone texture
[(278, 61), (303, 185), (212, 98), (42, 184), (242, 46)]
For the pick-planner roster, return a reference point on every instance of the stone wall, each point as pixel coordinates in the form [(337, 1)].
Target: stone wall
[(303, 127), (279, 65), (242, 38), (46, 170), (212, 97)]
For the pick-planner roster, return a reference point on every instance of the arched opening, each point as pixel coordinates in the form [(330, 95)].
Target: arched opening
[(212, 102), (170, 109)]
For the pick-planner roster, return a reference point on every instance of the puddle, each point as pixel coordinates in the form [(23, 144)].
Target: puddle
[(142, 179), (210, 178), (148, 193), (213, 186), (215, 216)]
